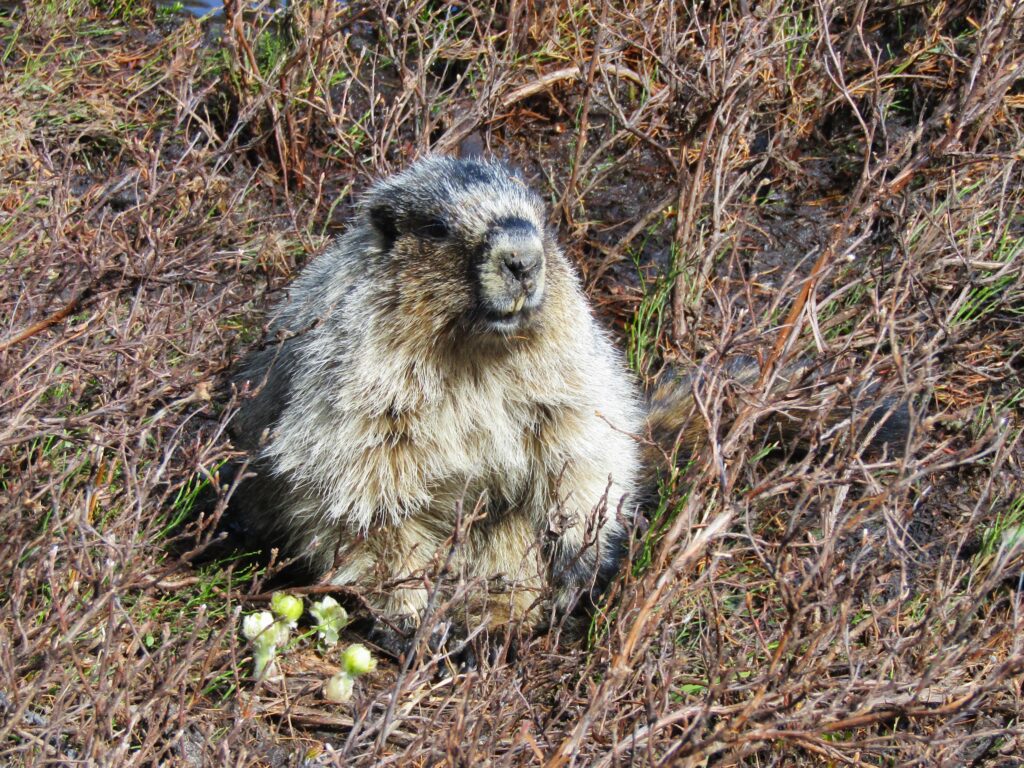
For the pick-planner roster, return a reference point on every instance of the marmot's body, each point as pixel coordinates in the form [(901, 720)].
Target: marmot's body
[(441, 358), (440, 363)]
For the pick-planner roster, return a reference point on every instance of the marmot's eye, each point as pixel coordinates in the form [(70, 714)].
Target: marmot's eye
[(436, 229)]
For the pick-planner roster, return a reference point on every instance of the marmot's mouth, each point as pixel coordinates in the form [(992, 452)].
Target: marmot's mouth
[(519, 315)]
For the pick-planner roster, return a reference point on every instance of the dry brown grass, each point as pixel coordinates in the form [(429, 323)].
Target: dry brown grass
[(834, 180)]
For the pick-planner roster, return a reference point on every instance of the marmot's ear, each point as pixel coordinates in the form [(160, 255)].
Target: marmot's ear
[(472, 147), (384, 221)]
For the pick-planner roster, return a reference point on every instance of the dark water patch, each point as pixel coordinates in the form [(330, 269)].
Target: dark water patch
[(214, 8)]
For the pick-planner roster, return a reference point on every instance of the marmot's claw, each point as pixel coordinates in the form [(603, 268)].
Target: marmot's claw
[(483, 650), (393, 640)]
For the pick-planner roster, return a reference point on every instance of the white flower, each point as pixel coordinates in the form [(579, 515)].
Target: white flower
[(356, 660), (331, 619), (255, 624), (339, 688), (265, 634)]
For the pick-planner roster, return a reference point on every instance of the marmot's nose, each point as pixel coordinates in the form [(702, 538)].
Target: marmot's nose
[(523, 262), (520, 251)]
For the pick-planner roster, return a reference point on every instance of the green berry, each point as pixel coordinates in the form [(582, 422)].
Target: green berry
[(357, 660), (288, 607)]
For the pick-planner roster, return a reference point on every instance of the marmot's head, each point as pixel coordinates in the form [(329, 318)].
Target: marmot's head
[(466, 245)]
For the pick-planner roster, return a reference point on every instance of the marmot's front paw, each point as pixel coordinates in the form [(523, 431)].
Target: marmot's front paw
[(487, 648), (456, 649), (400, 639), (394, 638)]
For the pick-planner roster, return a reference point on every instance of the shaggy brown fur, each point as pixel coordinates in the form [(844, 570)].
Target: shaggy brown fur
[(439, 363)]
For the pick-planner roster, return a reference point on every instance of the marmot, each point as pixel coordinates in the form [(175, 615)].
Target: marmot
[(441, 361)]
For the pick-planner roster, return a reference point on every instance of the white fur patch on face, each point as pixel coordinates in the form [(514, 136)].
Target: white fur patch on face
[(481, 206)]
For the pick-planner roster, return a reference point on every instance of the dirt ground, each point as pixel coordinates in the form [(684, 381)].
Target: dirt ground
[(832, 181)]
